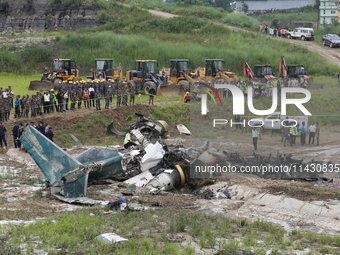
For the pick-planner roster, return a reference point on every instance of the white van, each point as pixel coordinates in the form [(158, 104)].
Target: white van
[(302, 33)]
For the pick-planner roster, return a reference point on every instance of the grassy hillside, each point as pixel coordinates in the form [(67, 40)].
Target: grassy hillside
[(131, 34)]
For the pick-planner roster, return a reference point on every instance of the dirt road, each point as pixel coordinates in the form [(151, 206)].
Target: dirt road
[(332, 55)]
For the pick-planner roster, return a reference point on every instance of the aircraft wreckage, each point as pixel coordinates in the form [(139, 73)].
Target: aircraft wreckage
[(157, 165)]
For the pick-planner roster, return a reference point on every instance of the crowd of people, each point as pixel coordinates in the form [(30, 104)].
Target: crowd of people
[(69, 95), (281, 32), (18, 130)]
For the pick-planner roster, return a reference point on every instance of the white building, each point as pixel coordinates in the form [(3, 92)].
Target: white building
[(328, 11), (261, 5)]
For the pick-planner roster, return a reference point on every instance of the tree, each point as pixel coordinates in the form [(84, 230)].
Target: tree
[(225, 4), (245, 7)]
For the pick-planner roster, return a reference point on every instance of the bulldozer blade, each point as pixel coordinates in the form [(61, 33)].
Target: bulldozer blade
[(112, 130), (40, 85), (170, 90)]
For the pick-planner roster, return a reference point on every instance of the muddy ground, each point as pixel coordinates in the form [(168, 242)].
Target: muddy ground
[(24, 196)]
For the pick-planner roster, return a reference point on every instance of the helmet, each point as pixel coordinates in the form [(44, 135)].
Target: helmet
[(59, 82), (109, 79), (103, 80), (187, 93), (32, 95), (92, 81), (52, 90), (109, 86), (71, 82), (97, 81)]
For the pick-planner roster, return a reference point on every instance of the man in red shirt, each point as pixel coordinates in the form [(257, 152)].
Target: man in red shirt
[(186, 98)]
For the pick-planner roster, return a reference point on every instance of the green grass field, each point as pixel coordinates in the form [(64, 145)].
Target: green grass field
[(148, 232)]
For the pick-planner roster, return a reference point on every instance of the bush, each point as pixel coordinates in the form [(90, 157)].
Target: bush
[(103, 16)]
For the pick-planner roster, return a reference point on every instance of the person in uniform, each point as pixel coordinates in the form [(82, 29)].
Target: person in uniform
[(22, 105), (27, 105), (98, 97), (73, 96), (125, 93), (33, 105), (119, 95), (52, 100), (132, 94), (107, 98)]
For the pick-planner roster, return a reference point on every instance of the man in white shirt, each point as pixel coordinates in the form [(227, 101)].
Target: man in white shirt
[(255, 133), (312, 130)]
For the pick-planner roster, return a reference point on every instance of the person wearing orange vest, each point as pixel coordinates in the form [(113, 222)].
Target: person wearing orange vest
[(86, 97)]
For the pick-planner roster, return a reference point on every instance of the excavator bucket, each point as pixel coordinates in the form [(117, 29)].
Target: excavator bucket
[(169, 90), (40, 85)]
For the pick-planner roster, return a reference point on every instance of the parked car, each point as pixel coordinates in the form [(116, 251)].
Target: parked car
[(301, 33), (332, 40)]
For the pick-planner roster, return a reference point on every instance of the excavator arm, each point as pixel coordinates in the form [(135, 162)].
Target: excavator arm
[(283, 68), (247, 71)]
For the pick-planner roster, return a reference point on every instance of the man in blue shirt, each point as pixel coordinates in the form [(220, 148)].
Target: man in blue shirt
[(17, 107), (15, 131), (303, 134)]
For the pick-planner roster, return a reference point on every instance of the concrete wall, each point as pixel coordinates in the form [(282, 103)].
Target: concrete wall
[(271, 4)]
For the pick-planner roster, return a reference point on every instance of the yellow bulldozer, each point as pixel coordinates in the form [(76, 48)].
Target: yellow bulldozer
[(178, 74), (144, 78), (213, 72), (62, 69), (103, 70)]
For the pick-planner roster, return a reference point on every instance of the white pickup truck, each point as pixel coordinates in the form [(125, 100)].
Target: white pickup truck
[(273, 121)]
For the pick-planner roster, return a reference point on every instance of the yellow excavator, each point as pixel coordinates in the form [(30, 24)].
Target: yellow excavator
[(178, 74), (213, 72), (144, 78), (62, 69)]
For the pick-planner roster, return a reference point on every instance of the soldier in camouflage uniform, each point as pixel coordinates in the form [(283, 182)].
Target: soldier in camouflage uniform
[(125, 94), (98, 97), (22, 105), (73, 97), (34, 104), (107, 98), (132, 94), (27, 105), (119, 96), (52, 100), (79, 96), (38, 104)]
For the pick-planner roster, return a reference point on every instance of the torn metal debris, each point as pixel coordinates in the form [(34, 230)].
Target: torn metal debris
[(143, 129)]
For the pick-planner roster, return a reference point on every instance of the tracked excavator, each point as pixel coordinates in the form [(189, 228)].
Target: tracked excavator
[(263, 73), (294, 74), (62, 69), (213, 72), (144, 78), (103, 70)]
